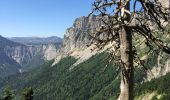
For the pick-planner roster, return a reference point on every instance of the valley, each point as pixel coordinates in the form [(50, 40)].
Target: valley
[(120, 51), (71, 75)]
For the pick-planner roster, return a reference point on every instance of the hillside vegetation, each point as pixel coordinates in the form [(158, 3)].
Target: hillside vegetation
[(160, 86), (90, 80), (86, 80)]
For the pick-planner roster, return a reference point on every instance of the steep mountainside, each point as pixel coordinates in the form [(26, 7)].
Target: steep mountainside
[(77, 39), (8, 66), (93, 79), (58, 82), (40, 49), (77, 36), (17, 57)]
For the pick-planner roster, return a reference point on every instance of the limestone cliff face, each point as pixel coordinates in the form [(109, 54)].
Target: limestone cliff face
[(8, 66), (50, 51), (16, 57), (20, 53), (24, 54), (77, 36), (165, 3), (44, 48), (76, 39)]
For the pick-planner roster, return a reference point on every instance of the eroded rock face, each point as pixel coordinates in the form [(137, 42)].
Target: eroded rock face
[(17, 57), (43, 48), (20, 53), (78, 36), (23, 54), (77, 39), (50, 51), (165, 3)]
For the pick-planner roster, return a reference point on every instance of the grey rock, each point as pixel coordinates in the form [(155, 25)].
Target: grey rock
[(16, 57), (78, 36)]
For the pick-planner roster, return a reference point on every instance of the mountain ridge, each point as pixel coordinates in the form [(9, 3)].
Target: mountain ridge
[(36, 40)]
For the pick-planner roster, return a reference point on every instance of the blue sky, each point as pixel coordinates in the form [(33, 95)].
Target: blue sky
[(43, 18), (40, 17)]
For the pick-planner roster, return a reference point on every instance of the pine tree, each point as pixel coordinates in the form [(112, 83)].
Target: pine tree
[(8, 94), (120, 24), (27, 94)]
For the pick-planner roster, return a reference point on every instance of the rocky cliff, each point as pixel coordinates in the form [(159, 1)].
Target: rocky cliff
[(16, 57), (21, 54), (77, 39), (77, 36), (8, 66)]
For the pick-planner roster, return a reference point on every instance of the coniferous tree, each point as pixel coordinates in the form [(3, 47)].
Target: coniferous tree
[(27, 94), (8, 94), (121, 21)]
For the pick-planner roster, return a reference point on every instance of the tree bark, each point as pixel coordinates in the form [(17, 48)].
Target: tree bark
[(127, 70)]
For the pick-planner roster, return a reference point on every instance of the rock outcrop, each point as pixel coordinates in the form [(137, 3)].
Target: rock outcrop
[(77, 36), (77, 39), (8, 66)]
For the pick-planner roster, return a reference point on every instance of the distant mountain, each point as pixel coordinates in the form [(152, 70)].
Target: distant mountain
[(5, 42), (17, 57), (36, 40)]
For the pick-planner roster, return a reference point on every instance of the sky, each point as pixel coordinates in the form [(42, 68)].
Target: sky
[(42, 18)]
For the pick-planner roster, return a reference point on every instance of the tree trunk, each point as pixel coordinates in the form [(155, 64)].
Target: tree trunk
[(127, 70)]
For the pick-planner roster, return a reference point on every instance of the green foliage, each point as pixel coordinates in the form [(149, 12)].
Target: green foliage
[(91, 80), (111, 91), (27, 94), (7, 94), (84, 81), (33, 63), (161, 85), (139, 74), (154, 97)]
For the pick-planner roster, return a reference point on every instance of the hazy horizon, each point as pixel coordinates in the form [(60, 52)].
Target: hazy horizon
[(29, 36)]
